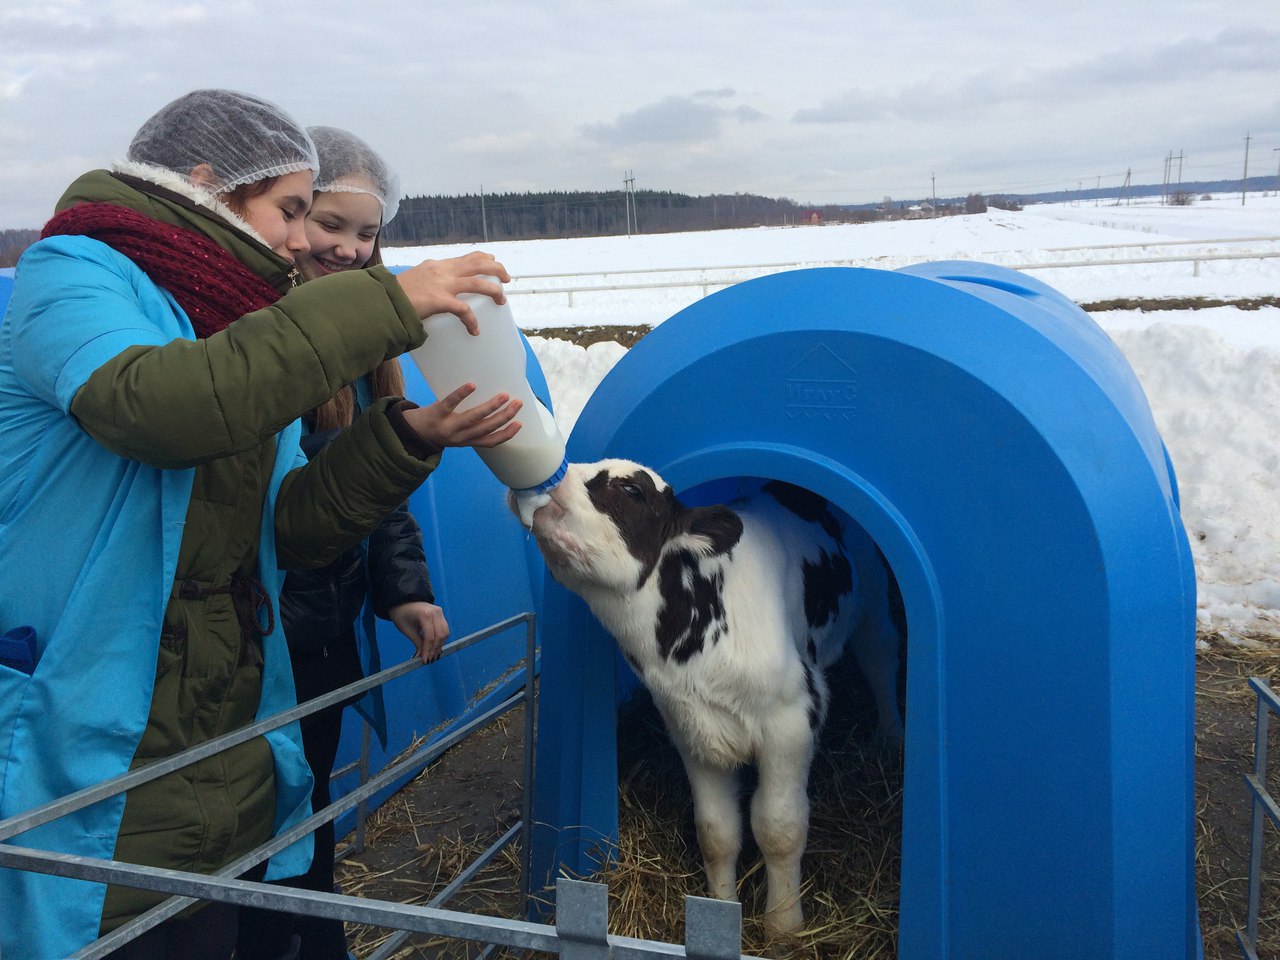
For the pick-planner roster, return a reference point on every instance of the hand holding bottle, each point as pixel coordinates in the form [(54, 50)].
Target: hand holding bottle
[(436, 286), (484, 425), (492, 362)]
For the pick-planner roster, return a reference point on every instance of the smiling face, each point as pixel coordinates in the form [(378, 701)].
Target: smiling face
[(278, 213), (341, 229)]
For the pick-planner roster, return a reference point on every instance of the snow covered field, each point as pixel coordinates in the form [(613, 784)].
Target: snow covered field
[(1212, 375)]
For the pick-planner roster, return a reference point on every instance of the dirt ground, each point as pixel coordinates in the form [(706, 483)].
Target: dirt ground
[(1225, 729)]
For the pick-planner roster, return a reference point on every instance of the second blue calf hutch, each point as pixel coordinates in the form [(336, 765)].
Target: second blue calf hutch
[(483, 570), (999, 449)]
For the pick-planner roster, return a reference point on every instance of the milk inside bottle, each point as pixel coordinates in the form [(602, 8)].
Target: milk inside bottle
[(531, 462)]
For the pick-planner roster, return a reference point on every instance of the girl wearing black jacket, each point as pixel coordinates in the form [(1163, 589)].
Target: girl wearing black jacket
[(355, 193)]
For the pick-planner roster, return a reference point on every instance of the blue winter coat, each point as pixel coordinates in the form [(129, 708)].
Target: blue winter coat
[(89, 546), (107, 532)]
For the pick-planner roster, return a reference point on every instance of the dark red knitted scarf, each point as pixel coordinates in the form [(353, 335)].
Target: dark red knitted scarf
[(209, 283)]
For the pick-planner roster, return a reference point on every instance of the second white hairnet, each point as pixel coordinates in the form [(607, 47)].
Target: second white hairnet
[(349, 165)]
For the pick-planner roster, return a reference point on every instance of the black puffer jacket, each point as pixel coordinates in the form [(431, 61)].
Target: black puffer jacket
[(322, 604)]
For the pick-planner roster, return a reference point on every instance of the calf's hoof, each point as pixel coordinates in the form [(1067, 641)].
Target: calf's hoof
[(784, 920)]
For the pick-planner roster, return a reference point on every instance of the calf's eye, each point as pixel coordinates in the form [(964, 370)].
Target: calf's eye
[(632, 490)]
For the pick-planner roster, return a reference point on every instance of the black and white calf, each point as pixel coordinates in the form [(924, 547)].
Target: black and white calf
[(730, 615)]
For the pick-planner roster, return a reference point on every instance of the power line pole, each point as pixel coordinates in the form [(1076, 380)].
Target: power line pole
[(1164, 189), (1097, 192), (629, 192), (933, 189), (635, 205), (1178, 189), (1244, 187), (484, 222), (1276, 150), (1124, 188)]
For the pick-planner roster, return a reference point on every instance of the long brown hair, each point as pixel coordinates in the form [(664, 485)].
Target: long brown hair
[(237, 199), (386, 380)]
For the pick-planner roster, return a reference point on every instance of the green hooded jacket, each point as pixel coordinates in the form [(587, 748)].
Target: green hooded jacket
[(216, 404)]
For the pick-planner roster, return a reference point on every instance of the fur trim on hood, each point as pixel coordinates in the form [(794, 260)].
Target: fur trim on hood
[(179, 184)]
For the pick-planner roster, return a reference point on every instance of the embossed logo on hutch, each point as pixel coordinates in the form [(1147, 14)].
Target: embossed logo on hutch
[(821, 386)]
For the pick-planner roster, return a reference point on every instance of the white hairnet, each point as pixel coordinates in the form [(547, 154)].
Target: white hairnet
[(349, 165), (242, 137)]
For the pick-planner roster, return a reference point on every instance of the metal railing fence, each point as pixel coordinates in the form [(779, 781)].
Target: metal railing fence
[(1264, 808), (705, 279), (713, 928), (179, 883)]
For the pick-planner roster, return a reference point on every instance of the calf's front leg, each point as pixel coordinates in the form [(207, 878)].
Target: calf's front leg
[(780, 824), (718, 818)]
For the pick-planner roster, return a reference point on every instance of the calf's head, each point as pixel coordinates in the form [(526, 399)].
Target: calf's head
[(608, 523)]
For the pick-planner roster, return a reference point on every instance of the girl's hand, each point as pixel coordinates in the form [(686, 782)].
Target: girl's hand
[(433, 286), (425, 626), (484, 425)]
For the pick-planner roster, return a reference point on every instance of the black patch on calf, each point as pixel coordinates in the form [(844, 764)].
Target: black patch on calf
[(812, 649), (825, 582), (640, 511), (647, 518), (806, 505), (692, 610)]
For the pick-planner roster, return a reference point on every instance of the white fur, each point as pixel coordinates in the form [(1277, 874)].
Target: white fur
[(745, 697), (162, 177)]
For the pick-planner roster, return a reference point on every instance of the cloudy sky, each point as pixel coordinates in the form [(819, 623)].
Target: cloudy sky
[(821, 101)]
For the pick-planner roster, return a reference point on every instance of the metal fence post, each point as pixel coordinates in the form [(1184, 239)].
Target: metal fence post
[(712, 929), (362, 809), (530, 766), (582, 919)]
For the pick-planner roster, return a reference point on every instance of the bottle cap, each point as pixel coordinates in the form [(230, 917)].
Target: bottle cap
[(550, 482)]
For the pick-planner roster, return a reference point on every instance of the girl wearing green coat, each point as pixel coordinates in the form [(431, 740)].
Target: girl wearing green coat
[(154, 359)]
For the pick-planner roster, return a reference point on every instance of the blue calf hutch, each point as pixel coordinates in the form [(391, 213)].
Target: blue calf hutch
[(999, 449)]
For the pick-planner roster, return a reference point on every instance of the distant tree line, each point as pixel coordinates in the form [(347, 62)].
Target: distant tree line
[(474, 218), (529, 216), (13, 242)]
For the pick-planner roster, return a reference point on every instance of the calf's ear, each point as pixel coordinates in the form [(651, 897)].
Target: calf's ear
[(718, 525)]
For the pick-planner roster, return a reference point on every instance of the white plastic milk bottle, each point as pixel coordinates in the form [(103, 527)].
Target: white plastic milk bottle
[(533, 460)]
